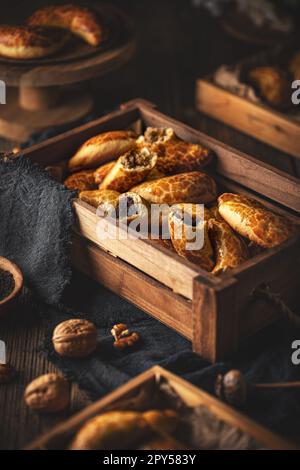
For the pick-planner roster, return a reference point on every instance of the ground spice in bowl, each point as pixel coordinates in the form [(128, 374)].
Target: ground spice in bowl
[(7, 284)]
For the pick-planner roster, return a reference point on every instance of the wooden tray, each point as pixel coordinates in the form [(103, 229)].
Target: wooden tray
[(59, 437), (275, 128), (216, 313)]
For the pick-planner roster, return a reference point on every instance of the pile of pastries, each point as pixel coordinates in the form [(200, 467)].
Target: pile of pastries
[(49, 29), (273, 84), (160, 168)]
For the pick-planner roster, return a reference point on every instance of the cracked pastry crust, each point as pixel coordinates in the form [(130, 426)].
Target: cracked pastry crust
[(174, 154), (30, 42), (252, 220), (108, 430), (131, 206), (183, 233), (98, 197), (130, 169), (272, 84), (102, 148), (80, 21), (102, 171), (230, 250), (186, 187), (82, 180)]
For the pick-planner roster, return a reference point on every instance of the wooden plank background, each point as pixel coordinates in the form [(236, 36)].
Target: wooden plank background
[(176, 45)]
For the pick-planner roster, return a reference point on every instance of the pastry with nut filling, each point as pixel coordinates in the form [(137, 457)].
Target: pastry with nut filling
[(30, 42), (272, 85), (102, 148), (230, 250), (175, 155), (100, 197), (188, 226), (252, 220), (81, 21), (82, 181), (194, 186), (122, 429), (102, 171), (131, 168)]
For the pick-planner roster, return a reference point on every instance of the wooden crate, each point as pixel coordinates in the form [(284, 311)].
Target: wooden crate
[(216, 313), (60, 436), (278, 129)]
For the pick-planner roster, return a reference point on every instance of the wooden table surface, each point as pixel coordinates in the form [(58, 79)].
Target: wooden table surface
[(176, 44)]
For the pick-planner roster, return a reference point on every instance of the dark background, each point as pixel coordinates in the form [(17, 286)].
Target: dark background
[(176, 44)]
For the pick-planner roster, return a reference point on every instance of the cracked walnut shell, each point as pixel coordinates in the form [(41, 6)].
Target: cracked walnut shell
[(75, 338), (48, 393)]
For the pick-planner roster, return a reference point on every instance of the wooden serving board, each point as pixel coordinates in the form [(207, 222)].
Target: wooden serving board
[(216, 313), (59, 437), (278, 129)]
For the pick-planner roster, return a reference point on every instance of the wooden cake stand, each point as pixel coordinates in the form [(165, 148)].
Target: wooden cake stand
[(52, 91)]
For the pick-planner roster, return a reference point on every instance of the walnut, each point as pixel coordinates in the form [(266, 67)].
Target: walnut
[(123, 337), (232, 388), (75, 338), (7, 373), (48, 393)]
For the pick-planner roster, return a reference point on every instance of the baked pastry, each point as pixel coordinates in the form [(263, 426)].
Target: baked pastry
[(163, 443), (117, 430), (30, 42), (131, 168), (230, 250), (272, 85), (131, 206), (175, 155), (189, 234), (78, 20), (194, 186), (82, 180), (253, 221), (102, 148), (155, 174), (102, 171), (98, 197), (294, 66)]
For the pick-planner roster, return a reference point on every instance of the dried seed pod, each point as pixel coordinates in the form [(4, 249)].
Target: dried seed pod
[(7, 373), (75, 338), (232, 388), (48, 393)]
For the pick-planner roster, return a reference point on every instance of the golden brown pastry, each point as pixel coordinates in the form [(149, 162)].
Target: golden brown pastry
[(155, 174), (253, 221), (82, 180), (194, 186), (102, 148), (30, 42), (272, 84), (119, 430), (187, 227), (99, 197), (130, 169), (230, 250), (78, 20), (294, 66), (174, 154), (131, 206), (102, 171)]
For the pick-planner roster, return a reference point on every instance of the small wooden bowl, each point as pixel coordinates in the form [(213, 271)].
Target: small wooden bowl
[(8, 302)]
